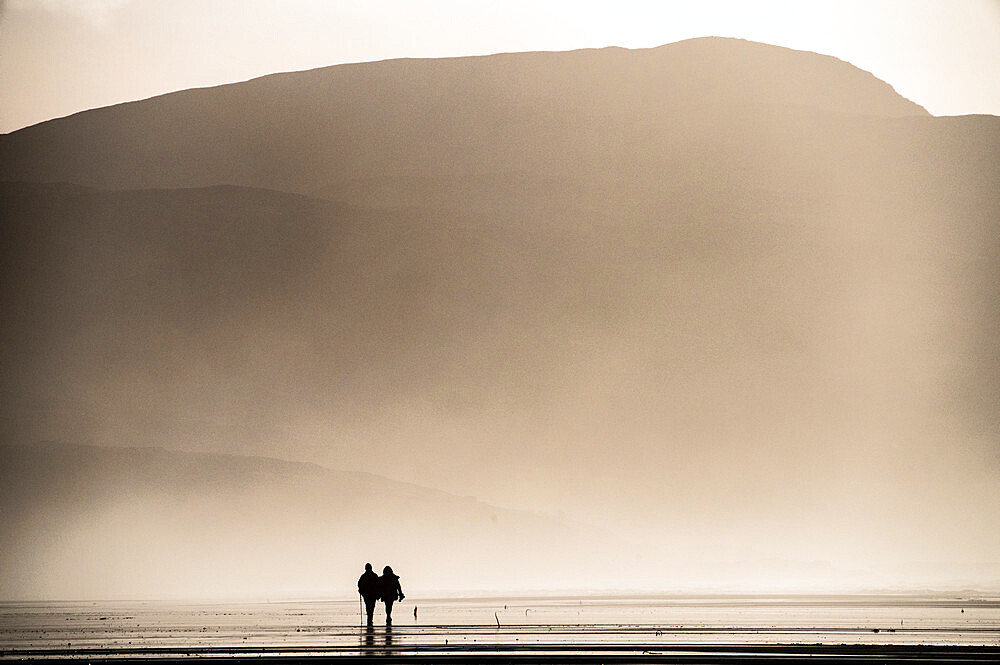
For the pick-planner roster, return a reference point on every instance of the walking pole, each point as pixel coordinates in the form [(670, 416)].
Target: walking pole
[(361, 612)]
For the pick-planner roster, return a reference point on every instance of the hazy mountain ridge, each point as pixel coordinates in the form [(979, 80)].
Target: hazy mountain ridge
[(704, 322), (325, 132)]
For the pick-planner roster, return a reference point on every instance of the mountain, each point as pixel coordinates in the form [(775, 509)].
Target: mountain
[(458, 132), (732, 301), (83, 522)]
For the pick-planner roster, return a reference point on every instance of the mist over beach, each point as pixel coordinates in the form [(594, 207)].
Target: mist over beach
[(699, 315)]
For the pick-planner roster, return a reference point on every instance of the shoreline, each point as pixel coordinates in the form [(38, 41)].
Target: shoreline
[(543, 654)]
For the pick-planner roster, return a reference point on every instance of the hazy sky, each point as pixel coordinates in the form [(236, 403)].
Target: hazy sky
[(710, 306), (62, 56)]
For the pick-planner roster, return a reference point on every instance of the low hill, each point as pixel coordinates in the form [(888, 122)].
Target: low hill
[(82, 522)]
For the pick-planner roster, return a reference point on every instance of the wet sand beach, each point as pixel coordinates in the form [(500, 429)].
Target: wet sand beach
[(522, 630)]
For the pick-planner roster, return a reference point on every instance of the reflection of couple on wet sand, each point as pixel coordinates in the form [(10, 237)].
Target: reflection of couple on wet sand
[(369, 648), (374, 588)]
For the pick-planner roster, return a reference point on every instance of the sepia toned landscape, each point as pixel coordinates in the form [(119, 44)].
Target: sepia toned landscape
[(670, 354)]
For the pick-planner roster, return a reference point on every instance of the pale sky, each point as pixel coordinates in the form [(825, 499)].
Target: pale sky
[(58, 57)]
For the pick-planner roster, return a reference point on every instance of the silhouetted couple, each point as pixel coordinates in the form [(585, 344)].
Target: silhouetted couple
[(374, 588)]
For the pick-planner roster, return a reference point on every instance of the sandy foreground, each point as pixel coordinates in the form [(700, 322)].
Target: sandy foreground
[(677, 629)]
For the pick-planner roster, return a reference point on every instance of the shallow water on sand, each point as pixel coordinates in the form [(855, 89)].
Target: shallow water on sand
[(449, 625)]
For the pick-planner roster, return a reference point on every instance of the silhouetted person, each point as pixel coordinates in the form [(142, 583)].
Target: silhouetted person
[(370, 588), (391, 591)]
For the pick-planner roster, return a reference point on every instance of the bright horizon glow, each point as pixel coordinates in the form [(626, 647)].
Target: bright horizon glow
[(59, 57)]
